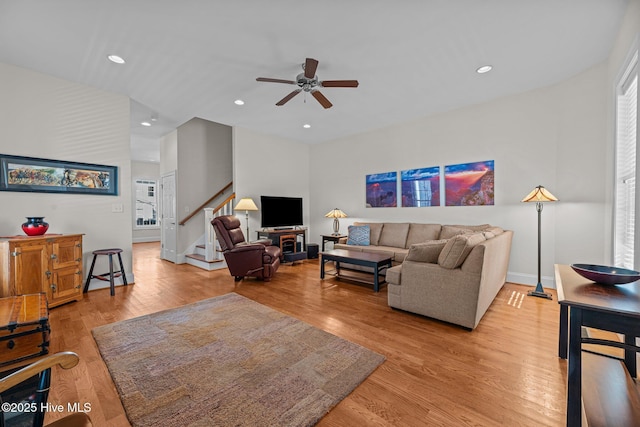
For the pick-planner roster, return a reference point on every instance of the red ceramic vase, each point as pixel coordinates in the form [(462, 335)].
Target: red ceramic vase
[(35, 226)]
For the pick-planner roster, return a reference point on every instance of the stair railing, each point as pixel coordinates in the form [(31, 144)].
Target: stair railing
[(205, 204), (212, 250)]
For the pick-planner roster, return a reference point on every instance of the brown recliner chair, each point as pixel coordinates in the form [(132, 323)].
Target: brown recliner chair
[(255, 259)]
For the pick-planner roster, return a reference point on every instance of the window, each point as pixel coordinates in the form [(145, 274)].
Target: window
[(146, 203), (625, 168)]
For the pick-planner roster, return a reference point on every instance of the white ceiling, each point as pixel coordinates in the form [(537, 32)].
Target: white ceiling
[(193, 58)]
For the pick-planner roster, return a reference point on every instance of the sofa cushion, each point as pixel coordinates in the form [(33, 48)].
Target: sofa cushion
[(420, 233), (457, 249), (349, 247), (359, 235), (426, 252), (480, 227), (397, 254), (394, 234), (449, 231), (376, 229), (496, 231)]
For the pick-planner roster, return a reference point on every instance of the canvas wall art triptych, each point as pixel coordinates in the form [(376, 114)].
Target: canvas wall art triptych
[(465, 184)]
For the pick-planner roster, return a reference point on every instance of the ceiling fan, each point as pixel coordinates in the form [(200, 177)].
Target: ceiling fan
[(308, 82)]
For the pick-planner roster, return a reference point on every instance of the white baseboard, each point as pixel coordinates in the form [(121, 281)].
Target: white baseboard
[(530, 279), (145, 239)]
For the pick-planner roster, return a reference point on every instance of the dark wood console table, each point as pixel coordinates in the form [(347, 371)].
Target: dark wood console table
[(335, 238), (585, 303), (274, 235)]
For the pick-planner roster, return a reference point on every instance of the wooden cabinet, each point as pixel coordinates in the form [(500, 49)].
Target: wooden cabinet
[(51, 264)]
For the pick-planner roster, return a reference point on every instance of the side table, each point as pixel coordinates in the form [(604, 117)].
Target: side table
[(331, 238)]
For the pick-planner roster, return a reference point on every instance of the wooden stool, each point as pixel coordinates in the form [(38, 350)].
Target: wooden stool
[(112, 274)]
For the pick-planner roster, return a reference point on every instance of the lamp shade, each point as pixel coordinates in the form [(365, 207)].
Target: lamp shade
[(335, 213), (246, 204), (540, 194)]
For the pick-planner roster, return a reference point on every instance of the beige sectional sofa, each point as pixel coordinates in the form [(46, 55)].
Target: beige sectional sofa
[(447, 272)]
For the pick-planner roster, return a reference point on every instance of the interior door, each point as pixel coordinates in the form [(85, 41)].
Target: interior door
[(168, 235)]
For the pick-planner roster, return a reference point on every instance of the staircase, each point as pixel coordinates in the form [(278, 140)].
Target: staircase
[(208, 255), (198, 259)]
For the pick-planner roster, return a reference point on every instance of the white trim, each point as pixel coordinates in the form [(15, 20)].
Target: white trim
[(531, 279), (629, 67), (148, 239)]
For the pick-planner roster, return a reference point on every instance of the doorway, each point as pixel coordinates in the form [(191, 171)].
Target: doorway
[(168, 234)]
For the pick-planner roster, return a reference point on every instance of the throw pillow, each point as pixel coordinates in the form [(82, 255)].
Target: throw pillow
[(359, 235), (457, 249), (426, 252), (375, 230), (449, 231), (422, 233)]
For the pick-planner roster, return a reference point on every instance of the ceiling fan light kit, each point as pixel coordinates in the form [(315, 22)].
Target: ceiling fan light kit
[(308, 81)]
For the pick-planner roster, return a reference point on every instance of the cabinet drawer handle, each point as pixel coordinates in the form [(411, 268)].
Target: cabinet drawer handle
[(11, 344), (48, 273), (53, 287), (54, 256)]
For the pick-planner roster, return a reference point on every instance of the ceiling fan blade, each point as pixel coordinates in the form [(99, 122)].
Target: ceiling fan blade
[(339, 83), (310, 67), (267, 79), (288, 97), (321, 99)]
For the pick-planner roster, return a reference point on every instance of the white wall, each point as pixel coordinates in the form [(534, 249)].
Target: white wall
[(42, 116), (269, 166), (169, 152), (552, 137), (149, 171), (204, 167)]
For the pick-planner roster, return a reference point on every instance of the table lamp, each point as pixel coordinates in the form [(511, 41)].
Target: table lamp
[(335, 214), (246, 205), (539, 195)]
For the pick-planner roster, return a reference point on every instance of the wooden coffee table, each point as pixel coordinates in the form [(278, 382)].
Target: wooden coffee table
[(377, 261)]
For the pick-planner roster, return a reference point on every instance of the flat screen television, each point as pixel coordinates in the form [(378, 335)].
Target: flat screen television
[(281, 211)]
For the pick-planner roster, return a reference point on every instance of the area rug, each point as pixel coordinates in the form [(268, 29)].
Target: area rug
[(229, 361)]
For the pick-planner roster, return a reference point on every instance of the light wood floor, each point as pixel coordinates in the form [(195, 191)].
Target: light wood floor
[(505, 373)]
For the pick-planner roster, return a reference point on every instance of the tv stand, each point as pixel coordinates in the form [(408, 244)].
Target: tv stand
[(275, 233)]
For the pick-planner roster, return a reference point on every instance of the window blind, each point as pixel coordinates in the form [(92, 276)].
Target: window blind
[(626, 141)]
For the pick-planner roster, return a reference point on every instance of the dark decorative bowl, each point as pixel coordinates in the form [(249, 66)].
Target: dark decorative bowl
[(606, 275)]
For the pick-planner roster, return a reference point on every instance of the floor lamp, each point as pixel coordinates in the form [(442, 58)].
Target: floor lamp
[(539, 195), (246, 205), (335, 214)]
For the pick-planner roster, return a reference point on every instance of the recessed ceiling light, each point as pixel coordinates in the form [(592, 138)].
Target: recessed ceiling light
[(115, 58), (484, 69), (145, 123), (238, 102), (306, 125)]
